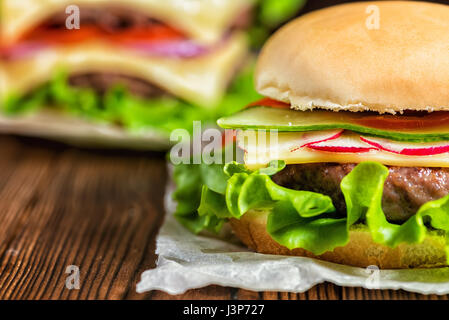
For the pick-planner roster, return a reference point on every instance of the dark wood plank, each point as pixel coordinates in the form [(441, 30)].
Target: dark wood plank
[(208, 293), (99, 210), (62, 206)]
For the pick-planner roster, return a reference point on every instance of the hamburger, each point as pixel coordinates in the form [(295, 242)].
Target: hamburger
[(131, 73), (346, 158)]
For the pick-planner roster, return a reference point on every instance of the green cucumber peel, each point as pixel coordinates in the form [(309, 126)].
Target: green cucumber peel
[(265, 118)]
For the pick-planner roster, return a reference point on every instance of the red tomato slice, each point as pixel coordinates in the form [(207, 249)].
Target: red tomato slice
[(267, 102), (57, 36), (153, 33), (427, 120), (411, 120), (229, 136)]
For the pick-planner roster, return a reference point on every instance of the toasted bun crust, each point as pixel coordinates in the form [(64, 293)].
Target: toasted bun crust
[(361, 251), (334, 59)]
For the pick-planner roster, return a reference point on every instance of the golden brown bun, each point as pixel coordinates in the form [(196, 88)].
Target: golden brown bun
[(361, 251), (331, 59)]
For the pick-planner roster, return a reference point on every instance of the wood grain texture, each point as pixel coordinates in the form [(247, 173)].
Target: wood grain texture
[(99, 210)]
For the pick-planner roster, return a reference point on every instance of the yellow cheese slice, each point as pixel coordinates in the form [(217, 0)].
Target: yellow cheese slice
[(203, 20), (201, 80), (265, 147)]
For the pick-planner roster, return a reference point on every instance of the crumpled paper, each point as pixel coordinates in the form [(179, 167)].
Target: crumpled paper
[(187, 261)]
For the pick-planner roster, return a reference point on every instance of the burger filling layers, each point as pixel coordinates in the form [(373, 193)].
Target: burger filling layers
[(321, 174)]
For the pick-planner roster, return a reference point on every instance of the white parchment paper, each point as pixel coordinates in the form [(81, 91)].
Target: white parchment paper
[(187, 261)]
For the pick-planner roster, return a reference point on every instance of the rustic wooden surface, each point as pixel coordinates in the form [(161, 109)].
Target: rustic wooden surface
[(62, 206)]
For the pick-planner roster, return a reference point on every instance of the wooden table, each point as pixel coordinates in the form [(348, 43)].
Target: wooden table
[(100, 211)]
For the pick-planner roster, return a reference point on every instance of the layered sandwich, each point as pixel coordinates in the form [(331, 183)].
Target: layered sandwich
[(347, 156), (131, 73)]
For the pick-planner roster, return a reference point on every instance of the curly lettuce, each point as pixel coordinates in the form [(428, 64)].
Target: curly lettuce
[(303, 219), (198, 194), (362, 189)]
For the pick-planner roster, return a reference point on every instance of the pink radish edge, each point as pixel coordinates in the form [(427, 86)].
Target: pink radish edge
[(410, 152), (335, 136), (340, 149)]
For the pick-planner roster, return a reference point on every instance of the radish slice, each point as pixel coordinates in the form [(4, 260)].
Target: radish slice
[(313, 137), (253, 141), (20, 51), (407, 148), (348, 142), (173, 49)]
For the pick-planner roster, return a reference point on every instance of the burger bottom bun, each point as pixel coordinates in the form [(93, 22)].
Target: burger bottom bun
[(360, 251)]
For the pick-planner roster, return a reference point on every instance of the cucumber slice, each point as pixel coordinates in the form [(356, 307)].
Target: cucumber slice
[(286, 120)]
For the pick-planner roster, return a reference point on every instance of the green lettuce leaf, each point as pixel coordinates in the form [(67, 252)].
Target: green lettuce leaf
[(199, 195), (303, 219), (297, 218), (363, 188), (317, 234)]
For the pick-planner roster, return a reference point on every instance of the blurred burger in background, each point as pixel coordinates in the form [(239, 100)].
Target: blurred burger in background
[(132, 71)]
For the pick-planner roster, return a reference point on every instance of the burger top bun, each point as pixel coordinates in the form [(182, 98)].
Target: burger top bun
[(384, 56)]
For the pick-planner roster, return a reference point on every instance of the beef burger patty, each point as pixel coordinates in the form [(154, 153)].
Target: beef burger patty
[(110, 19), (101, 82), (405, 189)]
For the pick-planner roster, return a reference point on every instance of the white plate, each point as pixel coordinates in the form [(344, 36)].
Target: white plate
[(76, 131)]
